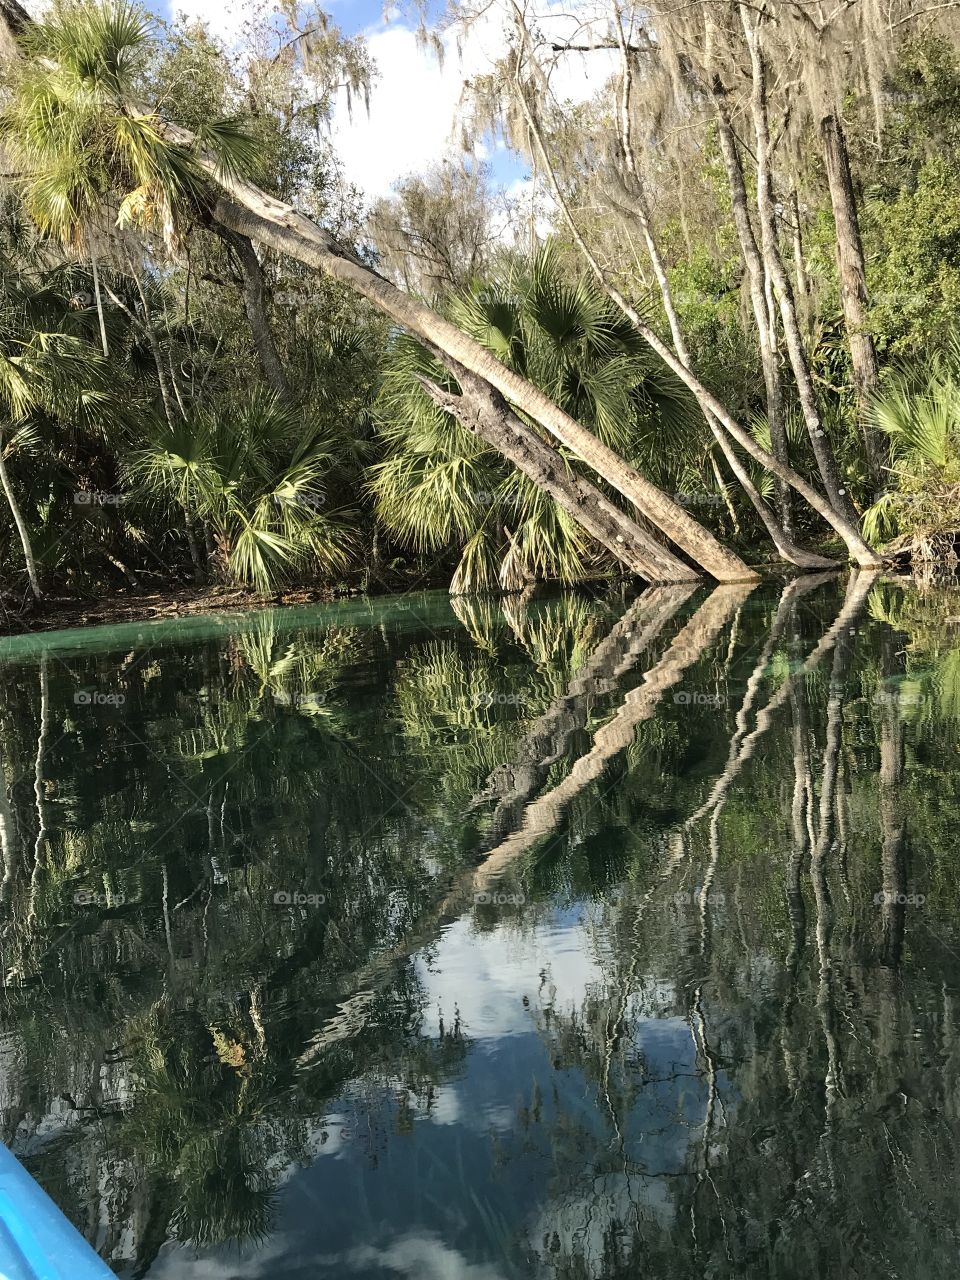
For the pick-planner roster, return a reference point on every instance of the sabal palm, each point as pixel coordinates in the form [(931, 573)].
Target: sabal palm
[(254, 475), (919, 411), (83, 153), (440, 489)]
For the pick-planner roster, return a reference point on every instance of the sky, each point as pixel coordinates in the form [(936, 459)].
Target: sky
[(411, 122)]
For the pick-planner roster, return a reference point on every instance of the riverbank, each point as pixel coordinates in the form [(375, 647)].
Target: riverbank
[(56, 614)]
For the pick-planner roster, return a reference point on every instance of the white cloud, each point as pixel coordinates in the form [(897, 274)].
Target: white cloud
[(412, 122), (225, 20)]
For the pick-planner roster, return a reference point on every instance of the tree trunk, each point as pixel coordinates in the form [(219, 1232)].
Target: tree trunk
[(853, 278), (99, 300), (800, 267), (485, 413), (21, 524), (755, 272), (273, 223), (826, 463), (779, 535), (255, 307)]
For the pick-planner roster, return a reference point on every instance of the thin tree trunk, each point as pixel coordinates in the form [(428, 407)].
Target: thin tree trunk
[(826, 463), (853, 278), (255, 306), (800, 266), (99, 300), (781, 539), (147, 325), (21, 524), (485, 413), (758, 298)]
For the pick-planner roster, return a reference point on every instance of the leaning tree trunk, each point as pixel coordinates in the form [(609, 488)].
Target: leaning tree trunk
[(21, 525), (273, 223), (839, 498), (853, 278), (254, 304), (485, 413)]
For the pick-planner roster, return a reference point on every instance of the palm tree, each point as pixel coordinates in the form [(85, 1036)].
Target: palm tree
[(918, 411), (440, 487), (252, 474)]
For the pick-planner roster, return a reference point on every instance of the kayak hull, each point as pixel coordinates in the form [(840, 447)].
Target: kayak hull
[(36, 1241)]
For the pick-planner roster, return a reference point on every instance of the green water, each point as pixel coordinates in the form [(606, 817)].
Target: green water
[(587, 937)]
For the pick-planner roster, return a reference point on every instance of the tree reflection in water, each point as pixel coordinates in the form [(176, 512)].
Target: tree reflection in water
[(559, 937)]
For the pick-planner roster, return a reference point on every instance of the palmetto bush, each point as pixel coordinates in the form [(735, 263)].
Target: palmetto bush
[(919, 411), (250, 478), (442, 491)]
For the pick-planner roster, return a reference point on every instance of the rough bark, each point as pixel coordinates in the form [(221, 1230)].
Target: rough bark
[(255, 306), (483, 412), (853, 277)]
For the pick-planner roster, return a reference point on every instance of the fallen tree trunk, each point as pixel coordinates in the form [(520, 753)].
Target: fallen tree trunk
[(484, 413), (280, 227)]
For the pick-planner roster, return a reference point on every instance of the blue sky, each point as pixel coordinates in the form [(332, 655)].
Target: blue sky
[(413, 108)]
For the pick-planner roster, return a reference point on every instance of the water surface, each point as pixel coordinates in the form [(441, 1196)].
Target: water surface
[(584, 938)]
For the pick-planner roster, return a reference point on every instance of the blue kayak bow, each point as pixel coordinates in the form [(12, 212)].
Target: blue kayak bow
[(36, 1240)]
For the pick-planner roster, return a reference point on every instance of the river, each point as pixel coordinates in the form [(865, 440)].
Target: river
[(584, 937)]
